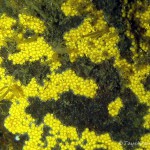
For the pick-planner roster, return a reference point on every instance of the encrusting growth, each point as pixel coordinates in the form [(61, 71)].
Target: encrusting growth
[(94, 39)]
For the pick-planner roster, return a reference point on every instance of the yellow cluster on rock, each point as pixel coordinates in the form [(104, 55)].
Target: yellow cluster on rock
[(137, 87), (147, 121), (34, 51), (141, 19), (31, 90), (64, 82), (33, 23), (93, 39), (68, 137), (114, 107), (144, 142), (5, 28), (2, 70), (18, 121), (102, 141), (77, 7), (58, 84), (134, 76)]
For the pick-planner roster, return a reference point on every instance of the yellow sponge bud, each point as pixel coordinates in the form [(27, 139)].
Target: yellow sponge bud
[(147, 121), (114, 107), (32, 23)]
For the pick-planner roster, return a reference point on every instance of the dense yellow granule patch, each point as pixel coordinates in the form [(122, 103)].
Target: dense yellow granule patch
[(137, 87), (147, 121), (93, 39), (144, 22), (114, 107), (5, 28), (33, 51), (32, 23), (18, 121), (77, 7), (141, 18), (64, 82), (59, 83), (144, 142), (31, 90)]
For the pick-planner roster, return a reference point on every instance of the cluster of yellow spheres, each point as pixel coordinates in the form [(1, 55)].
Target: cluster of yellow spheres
[(93, 39), (58, 84), (72, 7), (115, 106), (147, 121), (32, 23), (34, 51), (5, 28), (144, 142), (66, 81), (137, 87), (144, 20)]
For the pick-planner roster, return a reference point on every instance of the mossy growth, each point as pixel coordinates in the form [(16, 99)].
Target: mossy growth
[(65, 61), (45, 133), (56, 22)]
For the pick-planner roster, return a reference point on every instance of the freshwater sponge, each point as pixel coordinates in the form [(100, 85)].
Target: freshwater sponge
[(81, 93)]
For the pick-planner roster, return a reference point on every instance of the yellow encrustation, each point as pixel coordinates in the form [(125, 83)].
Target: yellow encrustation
[(33, 23), (147, 121), (34, 51), (64, 82), (144, 142), (115, 106), (93, 39), (6, 23), (75, 8)]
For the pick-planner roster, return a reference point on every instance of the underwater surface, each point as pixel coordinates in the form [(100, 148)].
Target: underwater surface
[(75, 75)]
